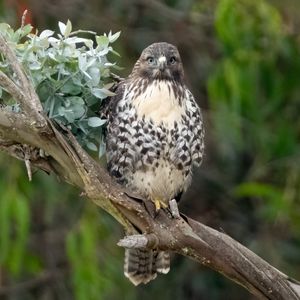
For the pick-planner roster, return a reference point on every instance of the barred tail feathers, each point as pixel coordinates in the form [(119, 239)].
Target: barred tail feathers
[(162, 262), (142, 265)]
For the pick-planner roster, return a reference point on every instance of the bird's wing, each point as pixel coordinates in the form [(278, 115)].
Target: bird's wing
[(121, 149), (197, 129), (189, 143), (108, 107)]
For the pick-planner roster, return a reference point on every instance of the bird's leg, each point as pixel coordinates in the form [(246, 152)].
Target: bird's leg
[(174, 209)]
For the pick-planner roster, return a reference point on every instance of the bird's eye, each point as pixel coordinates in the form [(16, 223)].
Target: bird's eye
[(150, 60), (172, 60)]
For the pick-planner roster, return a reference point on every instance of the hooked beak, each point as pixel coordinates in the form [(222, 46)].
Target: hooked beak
[(162, 62)]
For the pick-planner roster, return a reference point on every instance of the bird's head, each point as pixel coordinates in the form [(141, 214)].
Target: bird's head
[(159, 61)]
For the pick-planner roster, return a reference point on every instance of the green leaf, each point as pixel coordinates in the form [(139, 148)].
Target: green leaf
[(62, 28), (70, 88), (92, 146), (102, 41), (46, 33), (113, 37), (95, 75), (5, 28), (95, 122), (26, 29), (102, 93), (78, 111), (76, 100), (68, 29)]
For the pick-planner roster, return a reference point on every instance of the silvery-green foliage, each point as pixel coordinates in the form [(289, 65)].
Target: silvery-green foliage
[(71, 74)]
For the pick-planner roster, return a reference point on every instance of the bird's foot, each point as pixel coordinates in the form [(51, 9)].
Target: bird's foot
[(174, 209), (159, 204)]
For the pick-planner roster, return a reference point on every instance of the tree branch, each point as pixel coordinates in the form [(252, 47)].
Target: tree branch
[(31, 103), (19, 133), (138, 241), (10, 86)]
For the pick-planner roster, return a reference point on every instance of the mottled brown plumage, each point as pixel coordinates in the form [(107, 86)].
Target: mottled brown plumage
[(155, 137)]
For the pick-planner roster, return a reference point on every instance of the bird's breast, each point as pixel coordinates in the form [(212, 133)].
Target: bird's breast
[(158, 103)]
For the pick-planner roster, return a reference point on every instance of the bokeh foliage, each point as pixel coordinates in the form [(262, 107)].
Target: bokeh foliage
[(254, 95), (248, 186)]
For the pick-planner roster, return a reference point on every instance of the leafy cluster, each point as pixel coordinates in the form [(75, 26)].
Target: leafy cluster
[(70, 73)]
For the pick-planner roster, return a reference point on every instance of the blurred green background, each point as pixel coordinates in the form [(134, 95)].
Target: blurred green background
[(242, 62)]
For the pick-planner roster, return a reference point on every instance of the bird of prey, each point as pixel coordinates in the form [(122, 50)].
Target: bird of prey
[(154, 138)]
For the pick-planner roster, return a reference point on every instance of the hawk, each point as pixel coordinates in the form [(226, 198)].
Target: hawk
[(154, 138)]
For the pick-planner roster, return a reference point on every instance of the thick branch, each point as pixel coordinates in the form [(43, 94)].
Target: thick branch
[(182, 235), (18, 128)]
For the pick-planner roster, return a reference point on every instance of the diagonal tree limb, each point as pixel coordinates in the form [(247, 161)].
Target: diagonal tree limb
[(182, 235)]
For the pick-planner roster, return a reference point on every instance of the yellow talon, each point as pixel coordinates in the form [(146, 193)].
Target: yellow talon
[(159, 204)]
